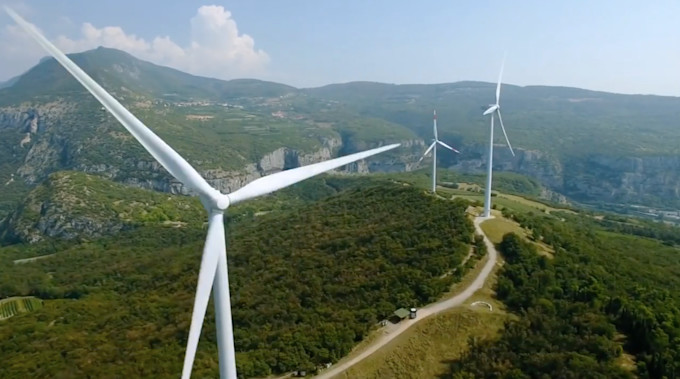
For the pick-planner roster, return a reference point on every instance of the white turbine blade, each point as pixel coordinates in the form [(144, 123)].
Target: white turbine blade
[(286, 178), (164, 154), (448, 147), (427, 151), (435, 125), (214, 246), (503, 129), (490, 110), (498, 86)]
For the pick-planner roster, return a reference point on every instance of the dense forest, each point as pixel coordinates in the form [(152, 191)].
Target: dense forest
[(307, 284), (603, 295)]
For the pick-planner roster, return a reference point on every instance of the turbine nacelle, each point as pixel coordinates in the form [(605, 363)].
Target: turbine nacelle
[(492, 108)]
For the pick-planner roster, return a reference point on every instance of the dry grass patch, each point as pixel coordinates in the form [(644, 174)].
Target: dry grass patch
[(625, 360), (534, 204), (497, 227), (426, 349), (199, 117), (469, 186)]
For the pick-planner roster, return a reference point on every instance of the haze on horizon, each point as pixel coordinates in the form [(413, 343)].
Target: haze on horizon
[(614, 46)]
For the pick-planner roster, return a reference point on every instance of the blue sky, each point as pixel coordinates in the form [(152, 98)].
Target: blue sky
[(616, 46)]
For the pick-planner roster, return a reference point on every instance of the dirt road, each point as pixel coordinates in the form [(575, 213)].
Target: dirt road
[(431, 309)]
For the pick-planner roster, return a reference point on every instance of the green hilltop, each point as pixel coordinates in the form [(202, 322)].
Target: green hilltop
[(308, 283)]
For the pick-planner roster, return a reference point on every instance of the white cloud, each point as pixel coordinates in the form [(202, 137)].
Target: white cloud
[(216, 40), (216, 48)]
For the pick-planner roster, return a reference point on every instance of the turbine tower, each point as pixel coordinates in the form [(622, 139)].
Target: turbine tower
[(493, 108), (213, 270), (433, 147)]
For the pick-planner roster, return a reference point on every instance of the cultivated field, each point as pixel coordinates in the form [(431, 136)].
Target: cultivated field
[(14, 305)]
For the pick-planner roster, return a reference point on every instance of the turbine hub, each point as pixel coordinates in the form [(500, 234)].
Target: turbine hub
[(218, 201), (222, 201), (492, 108)]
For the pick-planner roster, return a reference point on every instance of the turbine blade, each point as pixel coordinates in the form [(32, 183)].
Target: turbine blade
[(286, 178), (427, 151), (498, 86), (503, 129), (214, 246), (164, 154), (435, 125), (448, 147)]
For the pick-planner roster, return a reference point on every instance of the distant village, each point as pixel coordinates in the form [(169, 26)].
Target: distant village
[(672, 217)]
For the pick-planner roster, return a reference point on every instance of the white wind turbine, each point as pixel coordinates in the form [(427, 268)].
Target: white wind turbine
[(213, 270), (433, 147), (489, 167)]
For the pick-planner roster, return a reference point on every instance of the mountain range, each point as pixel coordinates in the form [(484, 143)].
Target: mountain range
[(316, 266), (587, 146)]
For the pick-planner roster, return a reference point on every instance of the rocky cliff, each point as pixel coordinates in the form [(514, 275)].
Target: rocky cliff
[(71, 204), (46, 149), (536, 164), (648, 180), (593, 178)]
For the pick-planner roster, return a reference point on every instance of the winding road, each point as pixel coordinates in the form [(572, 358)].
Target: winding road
[(431, 309)]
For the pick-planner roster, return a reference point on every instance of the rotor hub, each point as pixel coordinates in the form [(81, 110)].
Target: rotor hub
[(218, 201)]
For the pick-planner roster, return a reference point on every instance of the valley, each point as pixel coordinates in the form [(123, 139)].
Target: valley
[(261, 127)]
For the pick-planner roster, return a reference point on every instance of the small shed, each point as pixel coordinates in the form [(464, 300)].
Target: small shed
[(399, 315)]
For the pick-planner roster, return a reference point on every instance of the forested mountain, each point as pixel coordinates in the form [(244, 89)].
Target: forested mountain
[(593, 147), (231, 131), (122, 72)]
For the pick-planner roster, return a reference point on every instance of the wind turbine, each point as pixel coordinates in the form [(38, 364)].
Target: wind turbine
[(433, 147), (213, 270), (493, 108)]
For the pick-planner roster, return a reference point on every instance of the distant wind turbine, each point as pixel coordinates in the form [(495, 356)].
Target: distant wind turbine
[(433, 147), (213, 271), (493, 108)]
